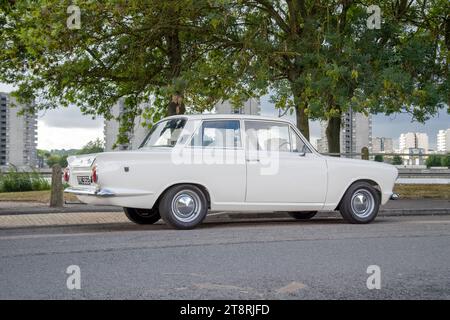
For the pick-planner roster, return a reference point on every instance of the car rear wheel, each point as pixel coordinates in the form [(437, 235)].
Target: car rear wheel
[(142, 216), (302, 215), (360, 203), (183, 206)]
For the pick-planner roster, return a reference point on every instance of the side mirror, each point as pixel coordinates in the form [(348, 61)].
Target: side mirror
[(302, 154)]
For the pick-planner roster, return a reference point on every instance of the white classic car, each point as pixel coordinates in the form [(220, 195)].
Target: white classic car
[(191, 164)]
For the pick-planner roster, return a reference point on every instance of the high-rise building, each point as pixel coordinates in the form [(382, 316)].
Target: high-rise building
[(251, 106), (17, 134), (382, 145), (356, 133), (111, 130), (443, 140), (413, 140)]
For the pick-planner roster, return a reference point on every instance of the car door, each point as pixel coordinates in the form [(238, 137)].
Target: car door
[(219, 160), (280, 166)]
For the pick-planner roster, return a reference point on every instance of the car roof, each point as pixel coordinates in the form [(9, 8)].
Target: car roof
[(228, 116)]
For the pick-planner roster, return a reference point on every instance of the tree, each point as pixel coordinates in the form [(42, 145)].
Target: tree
[(434, 160), (445, 161), (397, 160), (95, 146), (379, 158), (57, 159), (173, 53), (323, 60)]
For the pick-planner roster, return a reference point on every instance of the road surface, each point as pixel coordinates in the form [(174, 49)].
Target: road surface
[(324, 258)]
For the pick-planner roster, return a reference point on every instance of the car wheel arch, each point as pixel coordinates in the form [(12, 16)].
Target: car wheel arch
[(200, 186), (369, 181)]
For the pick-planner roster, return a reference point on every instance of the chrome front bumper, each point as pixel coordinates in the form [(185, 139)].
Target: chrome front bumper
[(90, 192), (395, 196)]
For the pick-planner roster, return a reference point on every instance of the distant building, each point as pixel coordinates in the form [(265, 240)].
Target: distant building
[(356, 133), (17, 134), (382, 145), (251, 106), (413, 140), (443, 140), (111, 130)]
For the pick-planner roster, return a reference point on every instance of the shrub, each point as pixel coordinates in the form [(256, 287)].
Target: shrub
[(445, 161), (379, 158), (397, 160), (434, 160), (14, 181)]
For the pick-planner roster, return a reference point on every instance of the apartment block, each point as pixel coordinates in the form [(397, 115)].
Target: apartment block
[(251, 107), (413, 140), (382, 145), (17, 134), (443, 140), (111, 130), (356, 133)]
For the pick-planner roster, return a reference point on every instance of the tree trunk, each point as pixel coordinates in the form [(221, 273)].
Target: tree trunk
[(56, 195), (333, 132), (302, 121), (300, 106), (176, 104)]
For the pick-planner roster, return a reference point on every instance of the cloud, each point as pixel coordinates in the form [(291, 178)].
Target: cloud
[(50, 137), (70, 117)]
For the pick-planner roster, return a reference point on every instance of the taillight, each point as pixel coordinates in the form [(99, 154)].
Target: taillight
[(66, 176), (94, 175)]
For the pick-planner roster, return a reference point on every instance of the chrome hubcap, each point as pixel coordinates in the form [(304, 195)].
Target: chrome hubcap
[(186, 205), (362, 203)]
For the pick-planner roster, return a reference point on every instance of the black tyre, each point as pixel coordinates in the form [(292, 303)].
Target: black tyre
[(183, 207), (142, 216), (360, 203), (302, 215)]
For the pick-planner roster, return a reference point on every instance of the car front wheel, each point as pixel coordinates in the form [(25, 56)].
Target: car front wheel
[(360, 204), (302, 215), (142, 216), (183, 207)]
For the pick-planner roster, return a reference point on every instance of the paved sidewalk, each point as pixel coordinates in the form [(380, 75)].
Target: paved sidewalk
[(28, 216), (397, 207)]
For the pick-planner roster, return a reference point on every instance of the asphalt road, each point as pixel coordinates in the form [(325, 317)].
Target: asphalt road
[(265, 259)]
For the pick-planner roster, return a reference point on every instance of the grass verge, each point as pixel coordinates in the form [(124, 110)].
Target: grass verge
[(423, 191), (33, 196)]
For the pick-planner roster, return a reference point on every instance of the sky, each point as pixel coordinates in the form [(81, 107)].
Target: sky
[(67, 128)]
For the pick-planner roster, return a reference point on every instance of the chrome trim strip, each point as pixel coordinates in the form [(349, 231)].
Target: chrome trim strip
[(87, 192)]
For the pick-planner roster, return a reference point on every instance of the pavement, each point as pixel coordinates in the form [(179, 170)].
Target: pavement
[(276, 258), (23, 214)]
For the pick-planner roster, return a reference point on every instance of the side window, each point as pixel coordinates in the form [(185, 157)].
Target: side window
[(218, 134), (267, 136), (297, 143)]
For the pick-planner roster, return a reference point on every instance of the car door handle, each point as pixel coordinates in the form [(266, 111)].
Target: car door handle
[(252, 160)]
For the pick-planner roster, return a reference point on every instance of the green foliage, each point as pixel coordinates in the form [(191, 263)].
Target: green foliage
[(445, 161), (434, 160), (95, 146), (397, 160), (379, 158), (139, 51), (14, 181), (318, 58), (438, 160), (57, 159)]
